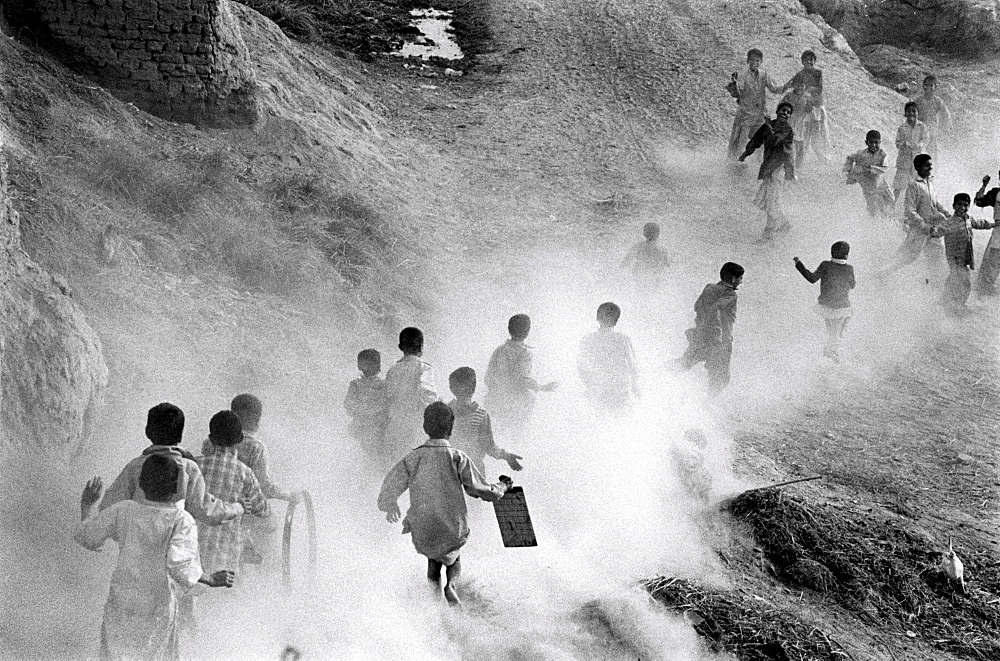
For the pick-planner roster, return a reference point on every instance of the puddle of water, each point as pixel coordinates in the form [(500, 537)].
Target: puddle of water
[(436, 38)]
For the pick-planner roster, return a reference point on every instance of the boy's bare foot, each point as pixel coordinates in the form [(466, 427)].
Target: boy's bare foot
[(452, 596)]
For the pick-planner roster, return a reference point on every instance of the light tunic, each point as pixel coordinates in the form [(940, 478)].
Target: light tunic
[(436, 475), (368, 405), (508, 377), (910, 142), (608, 367), (750, 91), (157, 561), (202, 505), (409, 391)]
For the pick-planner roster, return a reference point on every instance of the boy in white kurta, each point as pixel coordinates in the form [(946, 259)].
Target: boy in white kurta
[(409, 391), (438, 476), (607, 364), (750, 91), (157, 561)]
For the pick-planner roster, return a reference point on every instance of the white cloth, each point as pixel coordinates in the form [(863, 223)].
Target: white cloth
[(157, 561), (607, 365), (409, 391)]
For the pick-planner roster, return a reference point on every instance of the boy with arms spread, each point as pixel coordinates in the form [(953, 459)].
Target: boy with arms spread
[(957, 233), (437, 476), (836, 280), (711, 339), (866, 168), (157, 562), (472, 432), (607, 363), (164, 428), (921, 214), (750, 91), (512, 388), (777, 138)]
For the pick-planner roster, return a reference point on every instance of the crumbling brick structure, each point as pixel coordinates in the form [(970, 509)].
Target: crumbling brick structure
[(183, 60)]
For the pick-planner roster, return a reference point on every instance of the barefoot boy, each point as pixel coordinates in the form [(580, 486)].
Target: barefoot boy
[(836, 280), (866, 168), (811, 115), (750, 91), (711, 339), (438, 476), (922, 212), (157, 562), (472, 432), (367, 403), (409, 389), (777, 138), (607, 364), (164, 428), (957, 233), (512, 388)]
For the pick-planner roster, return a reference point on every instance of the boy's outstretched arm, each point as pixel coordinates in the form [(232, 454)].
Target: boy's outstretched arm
[(806, 273), (475, 483), (252, 499), (88, 499), (393, 486)]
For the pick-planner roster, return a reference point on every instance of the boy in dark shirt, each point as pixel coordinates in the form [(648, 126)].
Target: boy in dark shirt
[(711, 339), (989, 268), (957, 233), (836, 280), (777, 139)]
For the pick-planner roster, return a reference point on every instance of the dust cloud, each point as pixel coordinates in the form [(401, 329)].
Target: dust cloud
[(606, 500)]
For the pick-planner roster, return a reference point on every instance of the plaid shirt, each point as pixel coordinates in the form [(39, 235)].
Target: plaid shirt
[(226, 477)]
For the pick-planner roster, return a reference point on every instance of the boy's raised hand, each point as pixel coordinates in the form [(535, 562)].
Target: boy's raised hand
[(92, 492), (220, 579), (513, 460), (392, 516), (507, 482), (986, 180), (795, 260), (549, 387)]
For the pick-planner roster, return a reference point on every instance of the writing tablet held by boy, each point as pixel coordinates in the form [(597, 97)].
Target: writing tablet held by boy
[(437, 476), (157, 562), (836, 280)]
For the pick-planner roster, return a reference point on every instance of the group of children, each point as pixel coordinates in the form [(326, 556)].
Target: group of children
[(178, 522)]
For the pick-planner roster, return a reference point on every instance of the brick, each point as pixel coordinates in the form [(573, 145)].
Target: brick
[(154, 46), (145, 74)]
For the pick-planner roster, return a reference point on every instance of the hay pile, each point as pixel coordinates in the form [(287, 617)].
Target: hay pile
[(746, 625), (882, 569)]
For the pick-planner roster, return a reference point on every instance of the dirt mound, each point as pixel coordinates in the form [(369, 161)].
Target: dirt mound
[(745, 624), (881, 568)]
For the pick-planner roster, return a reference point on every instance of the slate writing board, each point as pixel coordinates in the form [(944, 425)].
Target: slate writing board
[(514, 519)]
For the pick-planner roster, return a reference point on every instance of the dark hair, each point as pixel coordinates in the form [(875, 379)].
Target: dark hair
[(873, 135), (807, 53), (225, 429), (609, 311), (369, 360), (730, 271), (411, 340), (158, 477), (930, 78), (785, 104), (962, 197), (920, 160), (651, 229), (165, 424), (249, 408), (519, 326), (463, 378), (755, 51), (438, 420), (911, 104), (840, 250)]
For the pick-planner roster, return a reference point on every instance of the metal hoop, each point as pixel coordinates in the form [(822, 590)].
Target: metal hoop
[(286, 541)]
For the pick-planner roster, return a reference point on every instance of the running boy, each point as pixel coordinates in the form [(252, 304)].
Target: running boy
[(957, 233), (933, 112), (438, 476), (512, 388), (711, 339), (157, 562), (607, 364), (776, 137), (811, 116), (409, 391), (473, 431), (367, 403), (911, 140), (647, 260), (164, 429), (836, 280), (989, 268), (750, 91), (922, 212), (866, 168)]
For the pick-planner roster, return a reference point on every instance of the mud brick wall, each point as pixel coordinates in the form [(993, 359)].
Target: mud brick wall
[(183, 60)]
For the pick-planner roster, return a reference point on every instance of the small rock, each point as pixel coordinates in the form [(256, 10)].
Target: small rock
[(963, 458), (452, 73)]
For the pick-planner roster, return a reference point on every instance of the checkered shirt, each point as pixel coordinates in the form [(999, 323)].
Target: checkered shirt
[(229, 479)]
